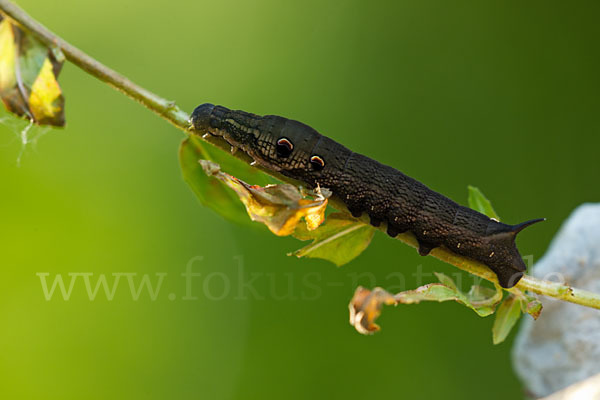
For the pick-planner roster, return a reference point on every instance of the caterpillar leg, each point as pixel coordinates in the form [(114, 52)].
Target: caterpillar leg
[(426, 247)]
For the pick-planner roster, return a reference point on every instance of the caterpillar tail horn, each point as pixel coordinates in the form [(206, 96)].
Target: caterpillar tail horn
[(519, 227)]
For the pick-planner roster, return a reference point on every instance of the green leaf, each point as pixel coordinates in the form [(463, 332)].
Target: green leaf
[(481, 296), (506, 317), (211, 192), (479, 299), (529, 304), (339, 240), (430, 292), (365, 306), (478, 202)]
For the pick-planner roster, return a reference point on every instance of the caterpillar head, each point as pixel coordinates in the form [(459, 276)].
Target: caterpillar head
[(274, 142), (238, 128)]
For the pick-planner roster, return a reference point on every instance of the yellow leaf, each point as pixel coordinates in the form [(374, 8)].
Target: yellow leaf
[(279, 207), (45, 94), (28, 69), (8, 53)]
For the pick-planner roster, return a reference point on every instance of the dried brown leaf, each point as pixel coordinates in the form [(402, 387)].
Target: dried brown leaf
[(366, 306)]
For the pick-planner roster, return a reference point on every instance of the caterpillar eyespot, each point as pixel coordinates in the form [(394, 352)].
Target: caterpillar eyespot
[(365, 185), (284, 147), (317, 163)]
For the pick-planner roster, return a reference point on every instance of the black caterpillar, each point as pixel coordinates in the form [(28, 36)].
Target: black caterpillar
[(387, 195)]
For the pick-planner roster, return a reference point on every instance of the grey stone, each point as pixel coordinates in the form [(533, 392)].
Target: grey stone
[(563, 346)]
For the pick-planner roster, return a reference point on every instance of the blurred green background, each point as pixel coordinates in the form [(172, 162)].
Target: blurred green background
[(501, 95)]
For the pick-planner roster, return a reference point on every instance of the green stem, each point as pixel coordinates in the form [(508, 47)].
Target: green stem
[(165, 108), (169, 111)]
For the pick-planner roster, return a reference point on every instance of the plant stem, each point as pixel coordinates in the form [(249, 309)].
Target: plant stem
[(169, 111), (165, 108)]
